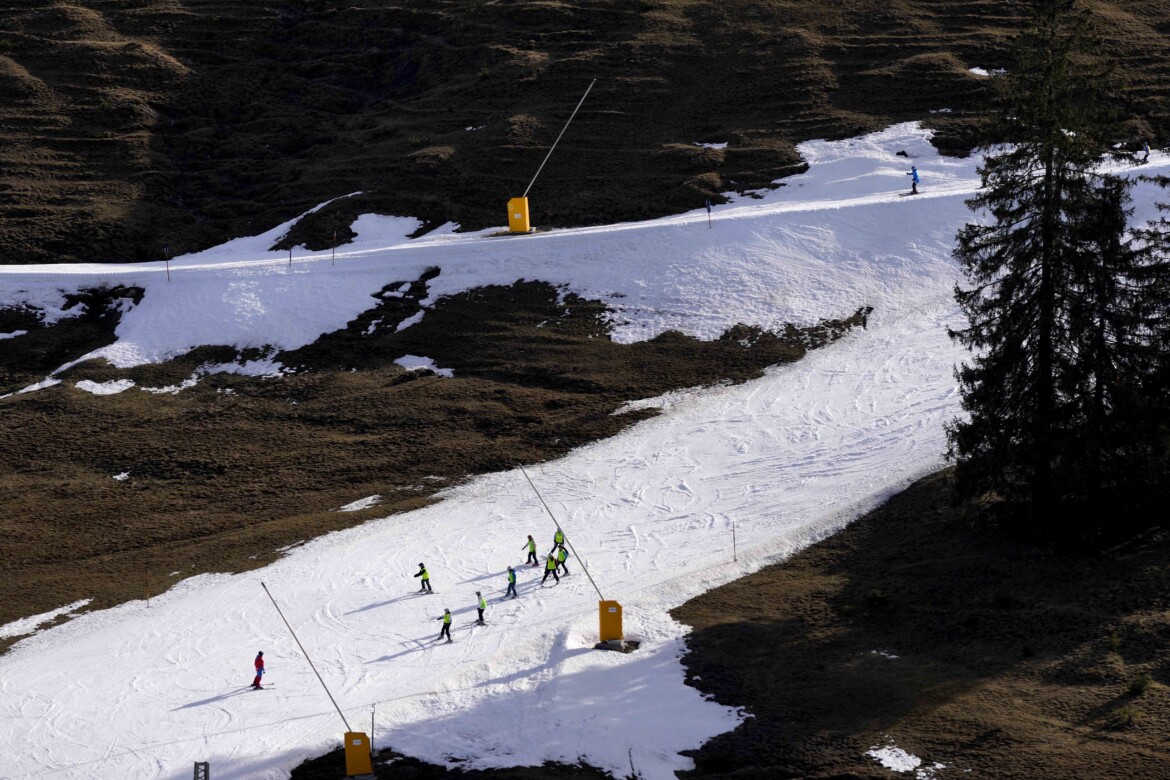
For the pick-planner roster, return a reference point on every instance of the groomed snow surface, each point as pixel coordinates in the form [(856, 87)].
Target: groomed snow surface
[(143, 692)]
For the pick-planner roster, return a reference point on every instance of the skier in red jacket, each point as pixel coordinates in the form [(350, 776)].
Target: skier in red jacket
[(259, 669)]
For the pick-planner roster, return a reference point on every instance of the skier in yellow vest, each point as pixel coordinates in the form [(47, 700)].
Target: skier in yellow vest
[(426, 579), (481, 605), (550, 567), (511, 584), (562, 556), (446, 631), (558, 539), (530, 545)]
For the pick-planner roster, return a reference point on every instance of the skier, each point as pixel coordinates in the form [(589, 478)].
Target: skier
[(531, 546), (562, 556), (1146, 151), (446, 631), (550, 567), (913, 179), (558, 539), (481, 605), (511, 583), (426, 579), (259, 664)]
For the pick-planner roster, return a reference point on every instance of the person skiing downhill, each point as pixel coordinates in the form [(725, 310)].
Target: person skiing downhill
[(1146, 151), (446, 630), (530, 545), (259, 664), (558, 539), (481, 605), (550, 567), (426, 579), (913, 179), (562, 556), (511, 583)]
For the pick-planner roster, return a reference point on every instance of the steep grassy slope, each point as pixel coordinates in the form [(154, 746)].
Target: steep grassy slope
[(134, 125)]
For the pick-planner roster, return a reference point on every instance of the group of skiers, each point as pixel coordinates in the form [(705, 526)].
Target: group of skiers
[(555, 565)]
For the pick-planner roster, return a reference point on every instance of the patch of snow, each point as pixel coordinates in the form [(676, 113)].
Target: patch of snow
[(49, 382), (884, 654), (894, 758), (29, 625), (711, 146), (189, 382), (416, 363), (361, 503), (940, 111), (125, 475), (413, 319), (984, 72), (12, 335), (111, 387)]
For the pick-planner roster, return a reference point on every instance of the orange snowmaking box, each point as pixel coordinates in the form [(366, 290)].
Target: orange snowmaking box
[(518, 221), (357, 754), (611, 620)]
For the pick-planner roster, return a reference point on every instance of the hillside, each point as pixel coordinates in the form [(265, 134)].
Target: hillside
[(131, 127)]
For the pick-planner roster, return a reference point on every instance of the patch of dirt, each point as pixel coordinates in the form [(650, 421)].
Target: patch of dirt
[(29, 358), (389, 765), (915, 627), (224, 474), (135, 127)]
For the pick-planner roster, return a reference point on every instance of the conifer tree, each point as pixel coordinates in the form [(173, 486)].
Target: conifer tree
[(1026, 266)]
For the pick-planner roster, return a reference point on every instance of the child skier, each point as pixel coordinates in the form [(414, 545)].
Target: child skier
[(550, 567), (913, 179), (531, 546), (446, 630), (426, 579), (259, 664), (558, 539), (511, 583), (562, 556), (481, 605)]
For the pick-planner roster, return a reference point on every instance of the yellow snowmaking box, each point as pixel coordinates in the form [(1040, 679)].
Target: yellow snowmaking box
[(357, 754), (611, 620), (518, 216)]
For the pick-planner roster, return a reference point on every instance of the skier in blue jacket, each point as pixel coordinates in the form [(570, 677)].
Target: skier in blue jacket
[(913, 179)]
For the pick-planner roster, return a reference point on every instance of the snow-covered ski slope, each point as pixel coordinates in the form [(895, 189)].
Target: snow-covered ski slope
[(143, 692)]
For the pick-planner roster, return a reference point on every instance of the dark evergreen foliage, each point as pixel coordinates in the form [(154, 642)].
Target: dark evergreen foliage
[(1059, 311)]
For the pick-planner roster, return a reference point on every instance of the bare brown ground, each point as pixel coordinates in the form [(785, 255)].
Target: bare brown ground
[(132, 126), (1011, 662), (225, 474)]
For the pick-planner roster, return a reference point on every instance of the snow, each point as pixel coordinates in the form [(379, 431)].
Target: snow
[(894, 758), (13, 334), (111, 387), (722, 145), (788, 459), (122, 477), (417, 363), (29, 624), (361, 503)]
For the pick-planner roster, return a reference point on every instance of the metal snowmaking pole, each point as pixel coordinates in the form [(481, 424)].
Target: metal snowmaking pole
[(562, 530), (518, 216), (310, 660), (554, 146)]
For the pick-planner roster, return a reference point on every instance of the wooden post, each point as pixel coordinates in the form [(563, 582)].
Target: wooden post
[(334, 262), (372, 708), (290, 257), (167, 255)]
